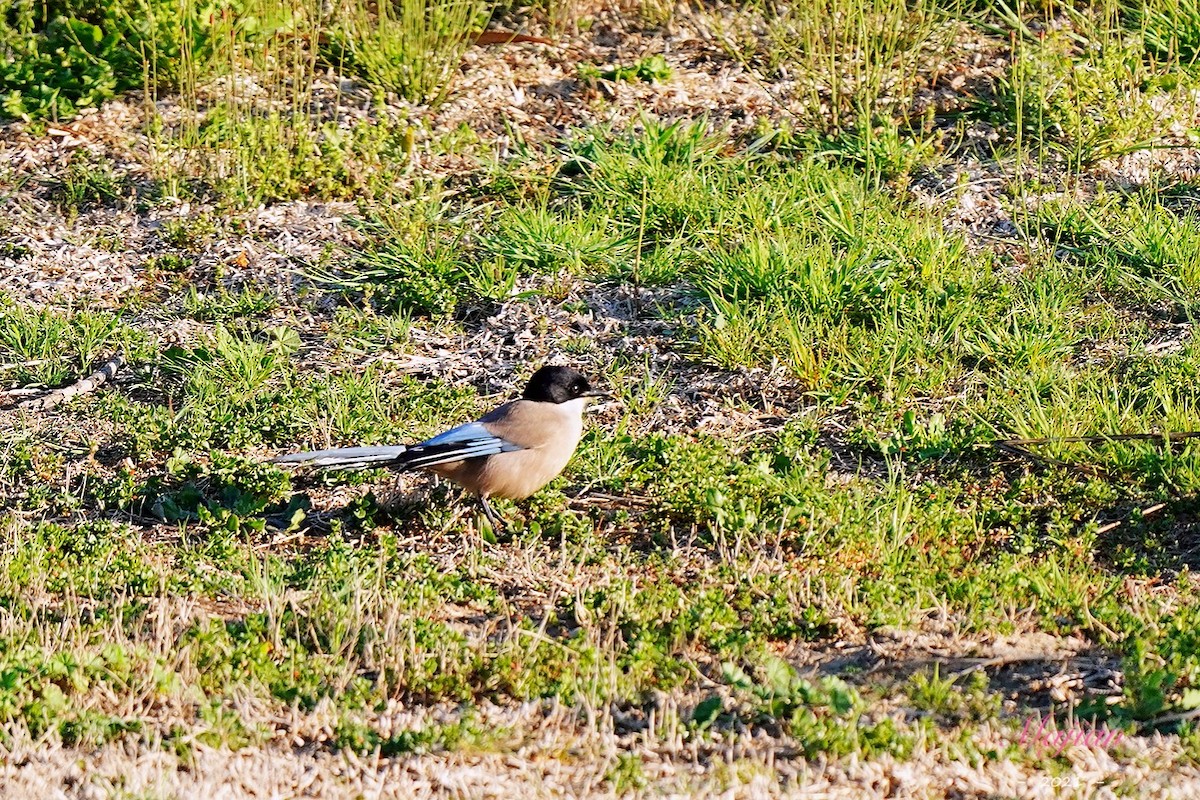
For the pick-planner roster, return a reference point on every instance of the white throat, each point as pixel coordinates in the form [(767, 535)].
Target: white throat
[(573, 408)]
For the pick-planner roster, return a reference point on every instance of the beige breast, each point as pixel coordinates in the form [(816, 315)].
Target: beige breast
[(549, 432)]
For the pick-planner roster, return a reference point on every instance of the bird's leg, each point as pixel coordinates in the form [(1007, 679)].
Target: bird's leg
[(490, 513)]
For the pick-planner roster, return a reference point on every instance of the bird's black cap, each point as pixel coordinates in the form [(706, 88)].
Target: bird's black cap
[(558, 385)]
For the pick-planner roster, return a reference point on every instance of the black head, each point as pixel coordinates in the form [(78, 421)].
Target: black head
[(558, 385)]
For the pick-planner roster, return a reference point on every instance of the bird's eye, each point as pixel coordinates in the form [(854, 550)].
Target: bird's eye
[(577, 387)]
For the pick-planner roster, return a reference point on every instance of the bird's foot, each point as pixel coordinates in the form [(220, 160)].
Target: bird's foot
[(493, 518)]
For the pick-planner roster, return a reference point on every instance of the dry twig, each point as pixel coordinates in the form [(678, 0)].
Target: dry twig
[(80, 387)]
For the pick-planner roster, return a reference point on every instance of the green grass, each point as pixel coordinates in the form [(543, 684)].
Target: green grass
[(87, 184), (402, 46), (1080, 95), (46, 346), (814, 363), (1170, 29), (855, 58)]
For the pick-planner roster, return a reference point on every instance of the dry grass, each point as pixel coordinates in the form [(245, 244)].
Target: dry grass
[(855, 525)]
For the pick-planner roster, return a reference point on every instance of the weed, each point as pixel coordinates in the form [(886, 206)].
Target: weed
[(853, 59), (652, 69), (228, 493), (48, 346), (52, 74), (229, 383), (1170, 29), (260, 157), (361, 738), (826, 716), (87, 184), (223, 305), (628, 774), (406, 47), (419, 272), (189, 233), (360, 332), (1142, 249), (944, 697), (535, 240), (1064, 97)]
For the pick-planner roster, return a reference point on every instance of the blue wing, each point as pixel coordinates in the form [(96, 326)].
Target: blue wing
[(472, 440)]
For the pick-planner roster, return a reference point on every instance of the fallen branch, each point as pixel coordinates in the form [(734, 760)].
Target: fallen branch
[(89, 384)]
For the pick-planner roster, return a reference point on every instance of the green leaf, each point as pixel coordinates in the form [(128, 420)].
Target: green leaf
[(734, 676), (841, 698), (779, 676), (707, 711)]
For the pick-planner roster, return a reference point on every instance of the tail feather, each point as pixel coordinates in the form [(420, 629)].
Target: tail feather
[(346, 457)]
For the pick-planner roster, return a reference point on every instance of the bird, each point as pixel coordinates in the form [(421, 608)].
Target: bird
[(510, 452)]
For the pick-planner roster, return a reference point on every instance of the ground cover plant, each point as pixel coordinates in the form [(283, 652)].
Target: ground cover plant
[(896, 492)]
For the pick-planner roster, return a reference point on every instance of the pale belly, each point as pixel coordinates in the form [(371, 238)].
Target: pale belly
[(514, 476)]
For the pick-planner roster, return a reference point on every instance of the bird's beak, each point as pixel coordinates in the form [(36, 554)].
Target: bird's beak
[(596, 393)]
